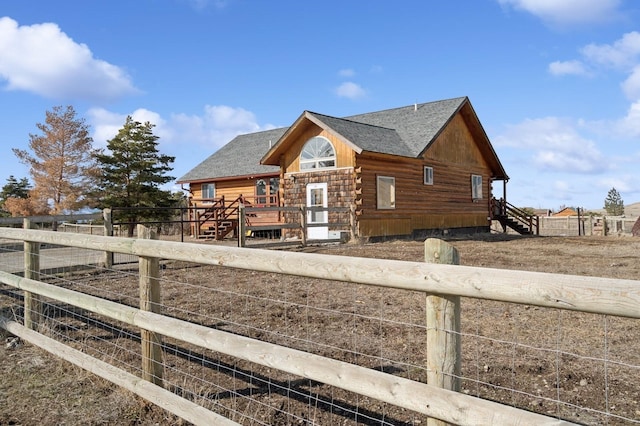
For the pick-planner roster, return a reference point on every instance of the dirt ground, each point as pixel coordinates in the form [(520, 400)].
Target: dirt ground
[(37, 388)]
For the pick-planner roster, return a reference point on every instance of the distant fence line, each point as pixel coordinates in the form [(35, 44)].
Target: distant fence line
[(589, 225), (569, 226), (51, 219), (86, 224)]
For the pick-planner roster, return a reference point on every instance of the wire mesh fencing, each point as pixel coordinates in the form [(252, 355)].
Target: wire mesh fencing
[(569, 365)]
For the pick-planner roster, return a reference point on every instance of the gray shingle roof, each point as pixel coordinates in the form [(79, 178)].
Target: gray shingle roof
[(416, 125), (362, 135), (405, 131), (240, 157)]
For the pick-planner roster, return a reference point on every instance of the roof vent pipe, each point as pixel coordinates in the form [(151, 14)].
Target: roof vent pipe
[(415, 106)]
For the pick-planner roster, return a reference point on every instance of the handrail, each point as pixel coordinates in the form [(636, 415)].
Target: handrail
[(503, 208), (220, 212), (523, 217)]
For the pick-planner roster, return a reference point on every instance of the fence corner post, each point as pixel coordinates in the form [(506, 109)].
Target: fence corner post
[(149, 270), (443, 326), (32, 302)]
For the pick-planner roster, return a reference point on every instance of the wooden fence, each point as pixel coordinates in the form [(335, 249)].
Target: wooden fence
[(568, 226), (297, 222), (442, 285)]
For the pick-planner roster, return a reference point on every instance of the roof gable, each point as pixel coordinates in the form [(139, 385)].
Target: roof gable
[(405, 131)]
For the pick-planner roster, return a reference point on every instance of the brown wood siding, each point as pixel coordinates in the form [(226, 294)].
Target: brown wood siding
[(446, 204), (382, 227), (450, 192), (455, 145), (229, 189), (344, 154)]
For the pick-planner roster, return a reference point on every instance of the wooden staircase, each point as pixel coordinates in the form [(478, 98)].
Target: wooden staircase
[(218, 219), (516, 219)]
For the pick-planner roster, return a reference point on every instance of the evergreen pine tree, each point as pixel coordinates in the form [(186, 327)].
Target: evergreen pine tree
[(613, 204), (133, 172)]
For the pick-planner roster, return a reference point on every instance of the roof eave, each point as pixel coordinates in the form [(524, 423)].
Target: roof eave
[(229, 178), (318, 122)]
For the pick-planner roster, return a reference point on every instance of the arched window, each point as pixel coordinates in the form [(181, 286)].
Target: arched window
[(317, 153)]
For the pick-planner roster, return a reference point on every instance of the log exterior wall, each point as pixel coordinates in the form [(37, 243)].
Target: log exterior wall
[(230, 190), (447, 204)]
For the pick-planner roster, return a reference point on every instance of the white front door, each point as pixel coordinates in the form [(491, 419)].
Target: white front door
[(317, 197)]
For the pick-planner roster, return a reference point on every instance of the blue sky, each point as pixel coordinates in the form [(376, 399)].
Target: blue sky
[(555, 83)]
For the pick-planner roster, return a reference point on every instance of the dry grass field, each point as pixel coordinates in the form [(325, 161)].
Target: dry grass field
[(36, 388)]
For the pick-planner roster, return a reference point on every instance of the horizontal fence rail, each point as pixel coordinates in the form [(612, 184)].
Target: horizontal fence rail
[(616, 297), (606, 296), (438, 403)]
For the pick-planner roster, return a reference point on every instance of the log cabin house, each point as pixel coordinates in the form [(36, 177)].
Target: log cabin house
[(401, 172)]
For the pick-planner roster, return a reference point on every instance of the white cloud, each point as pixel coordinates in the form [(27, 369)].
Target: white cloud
[(625, 183), (555, 145), (622, 54), (350, 90), (629, 125), (106, 124), (217, 126), (568, 12), (43, 60), (631, 86), (568, 68), (214, 128)]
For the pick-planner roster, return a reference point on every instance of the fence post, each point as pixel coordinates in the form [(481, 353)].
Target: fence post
[(303, 225), (352, 223), (443, 326), (32, 302), (149, 269), (242, 216), (108, 232)]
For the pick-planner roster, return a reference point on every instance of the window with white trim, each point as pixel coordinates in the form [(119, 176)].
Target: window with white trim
[(208, 191), (428, 175), (317, 153), (476, 187), (386, 192)]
